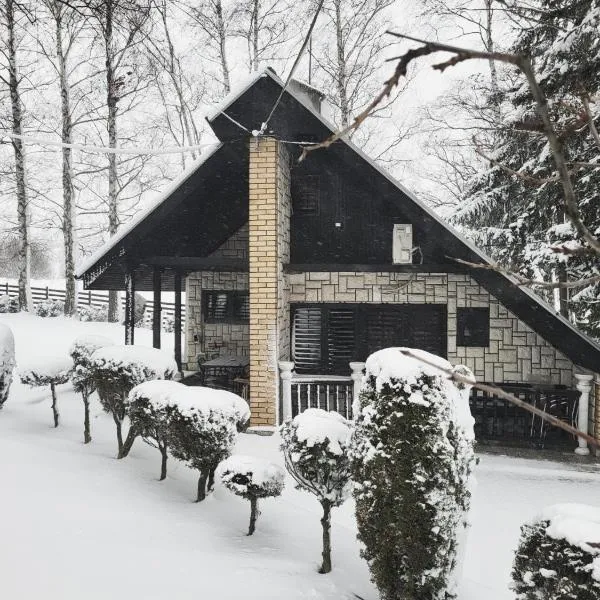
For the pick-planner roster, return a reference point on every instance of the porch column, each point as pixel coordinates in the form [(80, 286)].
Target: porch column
[(285, 372), (269, 209), (357, 375), (157, 308), (129, 308), (584, 385), (177, 323)]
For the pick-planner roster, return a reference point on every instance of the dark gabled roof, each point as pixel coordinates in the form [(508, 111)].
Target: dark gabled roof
[(295, 119)]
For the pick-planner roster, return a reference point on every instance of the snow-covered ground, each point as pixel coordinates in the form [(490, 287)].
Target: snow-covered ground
[(76, 523)]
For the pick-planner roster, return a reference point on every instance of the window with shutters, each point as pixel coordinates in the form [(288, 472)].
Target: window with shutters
[(306, 195), (226, 306), (473, 327)]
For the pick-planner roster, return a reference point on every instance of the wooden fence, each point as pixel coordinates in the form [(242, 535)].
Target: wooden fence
[(86, 298)]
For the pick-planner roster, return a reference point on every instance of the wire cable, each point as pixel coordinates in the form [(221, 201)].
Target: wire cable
[(263, 127)]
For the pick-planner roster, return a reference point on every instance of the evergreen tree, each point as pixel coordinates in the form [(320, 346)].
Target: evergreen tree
[(518, 219)]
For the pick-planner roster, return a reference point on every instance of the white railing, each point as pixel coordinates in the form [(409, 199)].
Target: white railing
[(328, 392)]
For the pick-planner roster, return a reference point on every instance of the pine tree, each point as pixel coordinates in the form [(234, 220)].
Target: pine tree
[(518, 219)]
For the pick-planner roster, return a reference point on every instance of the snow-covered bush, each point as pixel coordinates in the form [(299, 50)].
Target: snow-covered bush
[(48, 371), (116, 370), (151, 406), (7, 361), (412, 459), (558, 557), (81, 352), (9, 304), (93, 313), (202, 436), (49, 308), (222, 399), (252, 479), (315, 445)]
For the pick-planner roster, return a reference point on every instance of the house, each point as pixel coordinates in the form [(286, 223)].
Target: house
[(321, 262)]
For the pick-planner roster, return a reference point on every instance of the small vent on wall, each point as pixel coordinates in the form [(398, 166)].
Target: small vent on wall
[(402, 244)]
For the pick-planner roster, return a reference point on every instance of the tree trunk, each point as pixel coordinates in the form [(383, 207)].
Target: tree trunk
[(55, 412), (119, 434), (254, 35), (341, 79), (68, 224), (202, 485), (23, 218), (211, 479), (326, 524), (163, 463), (87, 437), (222, 49), (129, 440), (253, 514)]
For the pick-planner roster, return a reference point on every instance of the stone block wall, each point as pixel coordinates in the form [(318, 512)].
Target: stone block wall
[(515, 352)]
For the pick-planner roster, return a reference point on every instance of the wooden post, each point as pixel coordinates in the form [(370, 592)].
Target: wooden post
[(157, 309), (177, 324), (129, 308)]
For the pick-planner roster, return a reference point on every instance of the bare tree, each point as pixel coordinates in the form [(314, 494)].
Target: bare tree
[(12, 13)]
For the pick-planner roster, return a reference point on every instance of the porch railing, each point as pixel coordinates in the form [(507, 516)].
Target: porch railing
[(328, 393)]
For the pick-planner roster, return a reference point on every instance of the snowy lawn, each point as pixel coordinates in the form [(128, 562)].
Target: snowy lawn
[(76, 523)]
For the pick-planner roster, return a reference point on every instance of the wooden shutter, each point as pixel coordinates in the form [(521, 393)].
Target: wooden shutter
[(306, 340), (427, 327), (215, 306), (341, 340)]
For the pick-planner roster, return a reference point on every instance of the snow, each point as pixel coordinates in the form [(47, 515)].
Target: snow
[(221, 399), (90, 343), (69, 506), (49, 366), (159, 362), (259, 472), (161, 393), (316, 426)]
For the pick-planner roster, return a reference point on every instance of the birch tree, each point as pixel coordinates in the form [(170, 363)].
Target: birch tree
[(12, 14)]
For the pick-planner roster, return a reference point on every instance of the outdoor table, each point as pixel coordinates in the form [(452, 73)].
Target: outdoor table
[(220, 372)]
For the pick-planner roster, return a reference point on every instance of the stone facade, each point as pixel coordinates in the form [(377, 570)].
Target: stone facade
[(515, 352), (206, 339)]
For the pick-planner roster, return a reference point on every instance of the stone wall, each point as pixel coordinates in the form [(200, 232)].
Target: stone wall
[(515, 352)]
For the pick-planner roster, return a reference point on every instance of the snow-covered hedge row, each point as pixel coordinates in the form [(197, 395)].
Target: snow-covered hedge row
[(116, 370), (412, 458), (558, 557), (252, 478), (7, 361), (315, 446)]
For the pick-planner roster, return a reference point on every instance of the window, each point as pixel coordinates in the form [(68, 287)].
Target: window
[(473, 327), (306, 195), (226, 307)]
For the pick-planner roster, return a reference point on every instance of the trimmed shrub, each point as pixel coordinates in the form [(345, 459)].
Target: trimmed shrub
[(315, 445), (227, 401), (50, 371), (9, 304), (116, 370), (202, 436), (150, 407), (93, 313), (252, 479), (558, 557), (81, 377), (7, 361), (412, 458), (49, 308)]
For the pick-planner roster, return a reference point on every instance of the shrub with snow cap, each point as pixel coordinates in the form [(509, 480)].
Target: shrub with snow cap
[(151, 407), (222, 399), (9, 304), (558, 557), (49, 308), (412, 459), (202, 436), (81, 352), (7, 361), (252, 478), (315, 445), (48, 371), (116, 370)]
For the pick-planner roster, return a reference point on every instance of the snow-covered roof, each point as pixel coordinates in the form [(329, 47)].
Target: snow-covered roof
[(115, 239)]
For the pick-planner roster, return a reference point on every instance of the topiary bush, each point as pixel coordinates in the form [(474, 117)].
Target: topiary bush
[(227, 401), (151, 407), (412, 459), (116, 370), (81, 376), (315, 446), (558, 557), (49, 308), (93, 313), (202, 436), (252, 479), (49, 371), (7, 361)]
